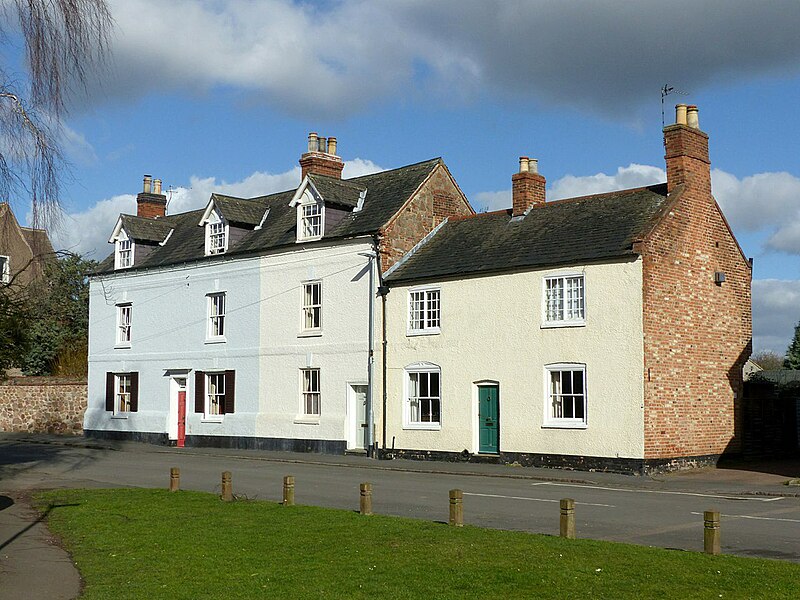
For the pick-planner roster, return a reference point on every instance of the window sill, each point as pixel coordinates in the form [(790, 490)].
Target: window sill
[(122, 346), (212, 419), (310, 333), (216, 340), (557, 324), (564, 425), (120, 416), (308, 239), (416, 332), (306, 420), (423, 426)]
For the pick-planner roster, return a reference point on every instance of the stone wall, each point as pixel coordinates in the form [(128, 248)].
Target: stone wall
[(43, 405)]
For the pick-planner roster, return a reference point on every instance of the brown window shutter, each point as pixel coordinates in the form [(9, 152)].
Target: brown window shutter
[(230, 390), (110, 392), (135, 391), (199, 391)]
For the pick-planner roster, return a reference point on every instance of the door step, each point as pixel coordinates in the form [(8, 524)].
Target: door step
[(355, 452)]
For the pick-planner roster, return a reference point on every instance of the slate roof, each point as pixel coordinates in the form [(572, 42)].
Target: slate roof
[(146, 230), (38, 241), (574, 231), (387, 192), (239, 210), (337, 191)]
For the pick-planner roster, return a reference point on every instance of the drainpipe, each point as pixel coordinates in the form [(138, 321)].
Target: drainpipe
[(372, 255), (383, 290)]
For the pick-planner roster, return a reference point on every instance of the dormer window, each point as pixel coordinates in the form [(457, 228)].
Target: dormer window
[(311, 221), (216, 234), (123, 257)]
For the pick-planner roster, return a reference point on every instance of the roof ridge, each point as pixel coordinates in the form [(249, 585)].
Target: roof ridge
[(598, 195), (422, 162)]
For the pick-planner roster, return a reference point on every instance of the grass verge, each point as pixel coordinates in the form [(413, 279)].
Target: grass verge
[(132, 543)]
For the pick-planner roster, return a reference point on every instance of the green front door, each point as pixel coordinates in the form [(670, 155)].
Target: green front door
[(488, 419)]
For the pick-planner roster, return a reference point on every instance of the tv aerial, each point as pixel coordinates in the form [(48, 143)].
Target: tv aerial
[(666, 91)]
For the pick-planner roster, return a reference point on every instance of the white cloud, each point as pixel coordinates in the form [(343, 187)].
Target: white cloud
[(489, 201), (632, 176), (776, 311), (87, 232), (336, 58)]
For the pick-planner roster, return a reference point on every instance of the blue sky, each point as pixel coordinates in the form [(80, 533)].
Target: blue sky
[(220, 95)]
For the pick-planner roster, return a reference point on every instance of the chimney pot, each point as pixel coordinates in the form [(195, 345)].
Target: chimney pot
[(157, 186), (147, 183), (680, 114), (323, 144), (312, 142), (524, 164), (527, 187), (692, 117), (332, 145), (533, 165)]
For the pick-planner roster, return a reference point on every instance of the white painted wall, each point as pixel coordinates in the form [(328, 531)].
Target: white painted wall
[(492, 330)]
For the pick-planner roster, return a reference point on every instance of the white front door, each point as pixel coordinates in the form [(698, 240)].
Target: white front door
[(357, 409)]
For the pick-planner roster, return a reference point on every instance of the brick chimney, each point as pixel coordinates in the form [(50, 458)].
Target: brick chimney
[(527, 186), (150, 202), (321, 157), (687, 151)]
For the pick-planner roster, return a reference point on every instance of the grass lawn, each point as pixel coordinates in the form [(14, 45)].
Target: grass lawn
[(131, 543)]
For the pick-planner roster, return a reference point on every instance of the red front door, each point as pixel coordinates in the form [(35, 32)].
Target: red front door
[(181, 418)]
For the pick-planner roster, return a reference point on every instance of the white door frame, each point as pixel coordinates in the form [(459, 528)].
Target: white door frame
[(352, 414), (172, 422)]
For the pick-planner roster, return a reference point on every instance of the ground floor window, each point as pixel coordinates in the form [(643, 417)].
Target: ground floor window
[(311, 393), (214, 393), (423, 396), (566, 395), (122, 393)]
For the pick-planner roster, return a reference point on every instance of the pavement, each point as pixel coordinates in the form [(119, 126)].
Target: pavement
[(33, 565)]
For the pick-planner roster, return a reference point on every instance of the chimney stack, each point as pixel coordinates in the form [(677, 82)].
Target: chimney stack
[(151, 203), (527, 186), (687, 151), (321, 157)]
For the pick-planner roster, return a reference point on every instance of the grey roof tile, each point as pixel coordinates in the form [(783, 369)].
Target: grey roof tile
[(574, 231), (142, 229), (239, 210)]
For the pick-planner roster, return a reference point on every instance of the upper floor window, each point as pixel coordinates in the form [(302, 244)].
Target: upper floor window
[(565, 395), (311, 394), (424, 311), (423, 396), (5, 269), (312, 306), (216, 316), (564, 301), (124, 314), (310, 221), (124, 254), (216, 238)]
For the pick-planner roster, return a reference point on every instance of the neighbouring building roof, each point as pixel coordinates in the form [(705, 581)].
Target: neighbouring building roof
[(562, 232), (386, 193), (39, 242)]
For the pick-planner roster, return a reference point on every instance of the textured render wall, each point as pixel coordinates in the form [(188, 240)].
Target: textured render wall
[(340, 352), (169, 337), (697, 334), (491, 330), (42, 405), (437, 199)]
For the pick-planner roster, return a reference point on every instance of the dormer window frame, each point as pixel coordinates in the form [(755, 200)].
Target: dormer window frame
[(305, 200), (124, 250), (216, 229)]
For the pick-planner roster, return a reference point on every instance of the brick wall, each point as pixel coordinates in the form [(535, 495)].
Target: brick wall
[(438, 198), (42, 405), (697, 334)]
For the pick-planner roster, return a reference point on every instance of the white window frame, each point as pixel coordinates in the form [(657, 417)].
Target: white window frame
[(216, 327), (124, 252), (409, 421), (216, 228), (124, 323), (122, 394), (308, 308), (564, 319), (310, 393), (302, 220), (419, 318), (5, 269), (214, 404), (552, 420)]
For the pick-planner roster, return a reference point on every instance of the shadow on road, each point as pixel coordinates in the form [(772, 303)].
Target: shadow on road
[(786, 467)]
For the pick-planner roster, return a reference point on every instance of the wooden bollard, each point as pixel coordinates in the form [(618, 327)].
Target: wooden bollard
[(227, 487), (288, 490), (567, 521), (174, 479), (366, 498), (457, 508), (711, 544)]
